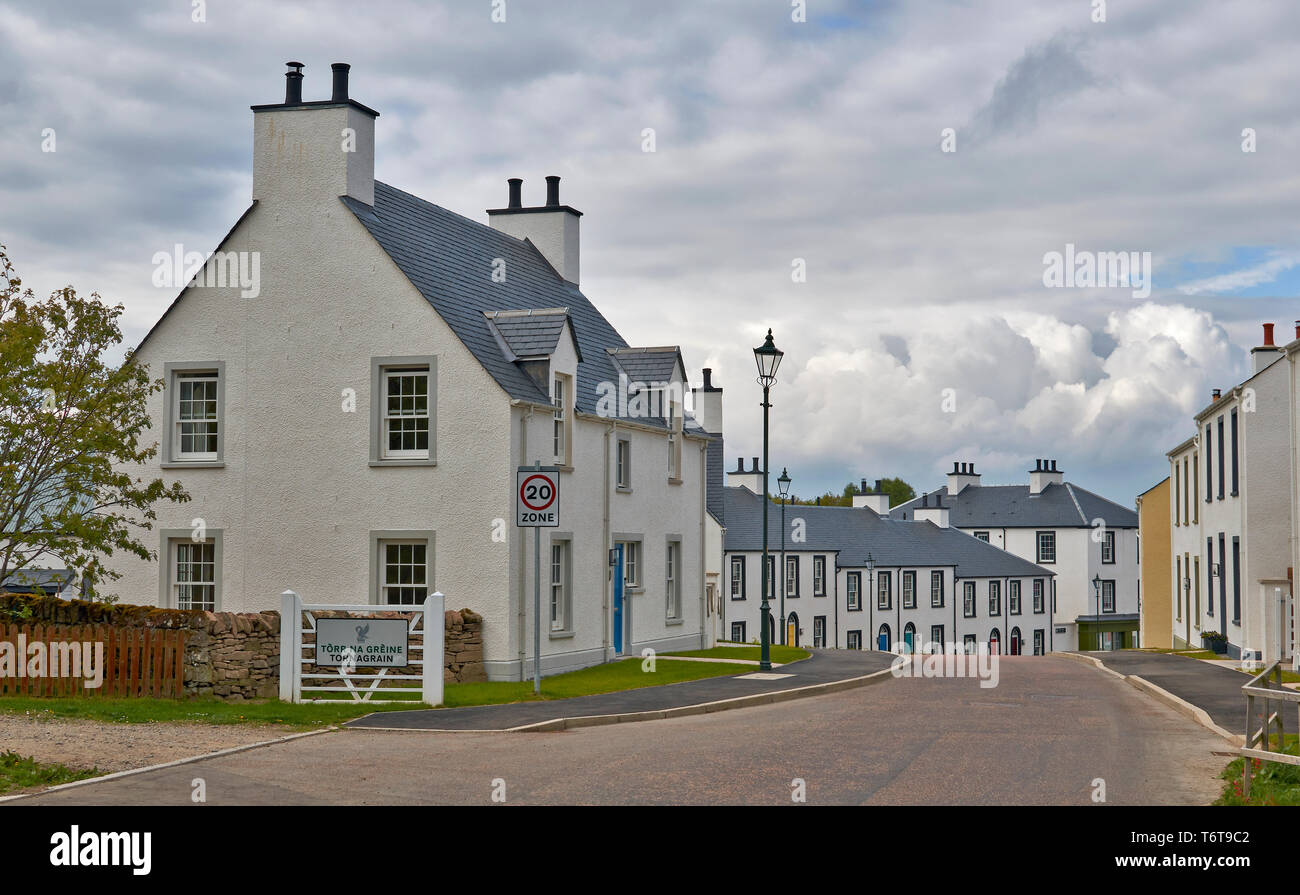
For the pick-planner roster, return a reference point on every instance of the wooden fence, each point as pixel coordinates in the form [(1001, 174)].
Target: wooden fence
[(136, 661)]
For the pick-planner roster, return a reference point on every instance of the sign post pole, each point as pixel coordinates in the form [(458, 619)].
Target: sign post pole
[(537, 505), (537, 606)]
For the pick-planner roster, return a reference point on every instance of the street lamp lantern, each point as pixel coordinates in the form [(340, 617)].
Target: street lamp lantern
[(783, 483), (768, 357)]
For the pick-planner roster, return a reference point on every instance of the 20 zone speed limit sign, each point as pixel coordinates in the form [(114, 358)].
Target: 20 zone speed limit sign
[(537, 499)]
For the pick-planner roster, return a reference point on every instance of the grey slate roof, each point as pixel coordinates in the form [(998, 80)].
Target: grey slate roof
[(647, 364), (449, 258), (855, 533), (530, 333), (1012, 506)]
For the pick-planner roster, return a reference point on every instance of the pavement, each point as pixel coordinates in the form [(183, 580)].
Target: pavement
[(823, 667), (1054, 731), (1209, 686)]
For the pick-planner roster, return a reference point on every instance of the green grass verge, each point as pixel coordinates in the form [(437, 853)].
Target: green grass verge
[(17, 772), (1272, 784), (608, 678), (776, 652)]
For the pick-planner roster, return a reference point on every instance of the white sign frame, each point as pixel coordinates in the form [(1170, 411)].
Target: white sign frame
[(423, 675), (539, 514)]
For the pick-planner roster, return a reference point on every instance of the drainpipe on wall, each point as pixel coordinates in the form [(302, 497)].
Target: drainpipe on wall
[(835, 607), (605, 626), (955, 632), (705, 636)]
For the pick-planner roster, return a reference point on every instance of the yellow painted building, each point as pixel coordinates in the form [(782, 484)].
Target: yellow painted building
[(1154, 573)]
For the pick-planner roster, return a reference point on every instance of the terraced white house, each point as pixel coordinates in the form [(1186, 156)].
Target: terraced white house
[(855, 578), (352, 432), (1088, 541)]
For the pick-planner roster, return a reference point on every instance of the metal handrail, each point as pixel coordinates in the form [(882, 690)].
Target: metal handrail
[(1262, 686)]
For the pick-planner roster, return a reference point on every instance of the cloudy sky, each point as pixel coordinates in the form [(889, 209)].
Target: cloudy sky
[(923, 332)]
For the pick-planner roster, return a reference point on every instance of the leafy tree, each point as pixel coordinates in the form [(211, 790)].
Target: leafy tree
[(898, 490), (70, 426)]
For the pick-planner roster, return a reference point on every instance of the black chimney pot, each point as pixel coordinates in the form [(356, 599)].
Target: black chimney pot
[(340, 70), (293, 84), (740, 464), (553, 190), (864, 486), (1053, 466), (755, 469), (879, 482), (516, 192)]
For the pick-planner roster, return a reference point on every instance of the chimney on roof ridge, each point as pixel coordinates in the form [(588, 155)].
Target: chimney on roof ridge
[(1265, 354), (1043, 474), (707, 404), (963, 476), (340, 70), (746, 478), (293, 84), (297, 163), (552, 228), (938, 514)]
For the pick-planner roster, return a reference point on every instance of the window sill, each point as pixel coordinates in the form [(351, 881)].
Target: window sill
[(194, 464), (630, 590), (623, 489), (561, 635), (562, 467), (737, 599), (674, 481), (673, 622), (374, 464)]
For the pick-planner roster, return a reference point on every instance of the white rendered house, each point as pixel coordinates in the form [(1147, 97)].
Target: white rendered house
[(352, 432), (1232, 497), (1088, 541)]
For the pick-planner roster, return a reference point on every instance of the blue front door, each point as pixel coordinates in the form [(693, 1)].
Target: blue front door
[(618, 598)]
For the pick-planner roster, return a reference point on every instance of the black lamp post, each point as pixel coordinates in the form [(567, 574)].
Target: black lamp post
[(783, 485), (1096, 588), (871, 614), (768, 358)]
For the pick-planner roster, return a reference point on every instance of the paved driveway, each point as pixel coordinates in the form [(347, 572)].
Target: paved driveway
[(1213, 688), (1050, 728)]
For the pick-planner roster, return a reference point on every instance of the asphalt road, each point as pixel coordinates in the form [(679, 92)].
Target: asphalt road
[(1050, 728)]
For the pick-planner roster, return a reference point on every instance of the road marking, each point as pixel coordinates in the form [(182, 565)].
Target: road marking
[(762, 676)]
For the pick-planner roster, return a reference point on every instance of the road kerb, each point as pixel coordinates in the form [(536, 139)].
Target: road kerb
[(1178, 704)]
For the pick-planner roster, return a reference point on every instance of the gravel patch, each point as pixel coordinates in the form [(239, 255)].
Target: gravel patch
[(118, 747)]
